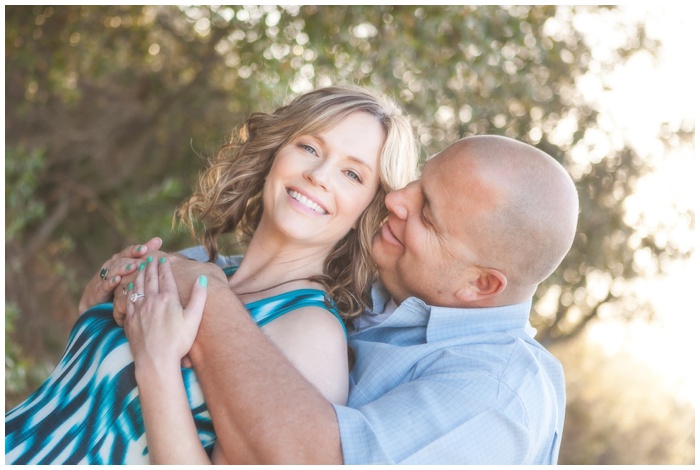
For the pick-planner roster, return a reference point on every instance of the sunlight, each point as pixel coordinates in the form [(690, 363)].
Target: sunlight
[(638, 99)]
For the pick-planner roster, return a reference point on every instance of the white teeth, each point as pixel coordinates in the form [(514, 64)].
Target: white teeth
[(307, 202)]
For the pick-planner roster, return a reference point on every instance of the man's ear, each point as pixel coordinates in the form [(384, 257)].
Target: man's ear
[(485, 283)]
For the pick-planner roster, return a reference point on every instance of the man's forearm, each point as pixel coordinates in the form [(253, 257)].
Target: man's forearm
[(263, 410)]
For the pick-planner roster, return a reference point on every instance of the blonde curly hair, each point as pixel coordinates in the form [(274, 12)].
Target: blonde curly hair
[(228, 198)]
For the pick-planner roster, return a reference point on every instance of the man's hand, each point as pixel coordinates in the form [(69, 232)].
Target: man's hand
[(101, 287)]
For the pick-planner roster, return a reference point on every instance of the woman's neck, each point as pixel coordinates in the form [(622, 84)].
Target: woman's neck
[(269, 261)]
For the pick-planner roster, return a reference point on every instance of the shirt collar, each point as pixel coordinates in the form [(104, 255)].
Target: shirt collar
[(444, 322)]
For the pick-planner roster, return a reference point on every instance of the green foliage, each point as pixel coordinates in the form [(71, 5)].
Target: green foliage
[(21, 180), (22, 372)]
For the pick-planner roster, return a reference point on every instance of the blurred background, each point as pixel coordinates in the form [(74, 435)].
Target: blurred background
[(109, 110)]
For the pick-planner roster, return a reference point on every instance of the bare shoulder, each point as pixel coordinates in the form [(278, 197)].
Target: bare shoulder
[(310, 328), (314, 341)]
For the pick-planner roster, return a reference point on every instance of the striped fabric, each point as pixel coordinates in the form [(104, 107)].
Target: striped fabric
[(88, 410)]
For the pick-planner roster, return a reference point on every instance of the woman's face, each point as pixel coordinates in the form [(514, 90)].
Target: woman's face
[(320, 184)]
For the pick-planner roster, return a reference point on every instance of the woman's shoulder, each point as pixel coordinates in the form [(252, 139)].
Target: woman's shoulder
[(312, 321)]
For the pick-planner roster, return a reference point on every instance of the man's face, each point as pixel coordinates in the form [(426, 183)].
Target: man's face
[(426, 246)]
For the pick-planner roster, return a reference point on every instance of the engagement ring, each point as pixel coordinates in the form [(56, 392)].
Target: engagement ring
[(103, 273), (136, 296)]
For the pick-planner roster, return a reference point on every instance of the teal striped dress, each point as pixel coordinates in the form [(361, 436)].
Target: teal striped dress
[(88, 410)]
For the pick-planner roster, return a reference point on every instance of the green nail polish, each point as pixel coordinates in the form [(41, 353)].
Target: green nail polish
[(140, 248), (162, 260), (131, 286), (128, 266), (203, 281), (114, 279), (149, 259), (142, 266)]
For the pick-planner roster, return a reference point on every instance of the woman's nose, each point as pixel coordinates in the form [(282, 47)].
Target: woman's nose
[(319, 174)]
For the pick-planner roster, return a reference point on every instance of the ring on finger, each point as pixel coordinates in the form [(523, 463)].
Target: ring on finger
[(136, 296), (103, 273)]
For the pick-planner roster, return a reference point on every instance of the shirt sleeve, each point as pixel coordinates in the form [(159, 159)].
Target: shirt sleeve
[(199, 253), (475, 420)]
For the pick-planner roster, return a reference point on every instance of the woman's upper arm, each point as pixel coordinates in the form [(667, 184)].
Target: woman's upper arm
[(314, 341)]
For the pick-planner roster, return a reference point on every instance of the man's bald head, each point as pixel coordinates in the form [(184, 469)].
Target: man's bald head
[(533, 208)]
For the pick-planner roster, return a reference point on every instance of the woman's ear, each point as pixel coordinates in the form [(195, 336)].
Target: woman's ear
[(485, 283)]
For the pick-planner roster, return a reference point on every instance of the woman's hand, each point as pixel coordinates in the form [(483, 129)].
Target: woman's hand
[(160, 331), (101, 287)]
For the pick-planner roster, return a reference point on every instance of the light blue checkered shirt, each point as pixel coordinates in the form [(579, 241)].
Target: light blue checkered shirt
[(436, 385)]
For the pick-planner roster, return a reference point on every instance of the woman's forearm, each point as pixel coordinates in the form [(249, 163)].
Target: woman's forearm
[(170, 430)]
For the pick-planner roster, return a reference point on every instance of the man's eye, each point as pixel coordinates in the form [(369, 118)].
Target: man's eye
[(423, 217)]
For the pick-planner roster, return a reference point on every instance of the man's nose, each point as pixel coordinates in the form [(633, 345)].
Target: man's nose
[(396, 202)]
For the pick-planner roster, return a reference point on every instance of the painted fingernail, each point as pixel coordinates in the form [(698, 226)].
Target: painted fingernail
[(128, 267), (131, 286), (114, 279), (203, 281), (149, 259), (162, 260), (140, 248), (142, 266)]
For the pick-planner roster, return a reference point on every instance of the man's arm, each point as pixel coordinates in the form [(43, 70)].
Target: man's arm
[(264, 411)]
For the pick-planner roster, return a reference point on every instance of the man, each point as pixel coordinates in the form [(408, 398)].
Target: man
[(447, 370)]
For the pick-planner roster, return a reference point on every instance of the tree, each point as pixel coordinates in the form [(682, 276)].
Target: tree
[(108, 109)]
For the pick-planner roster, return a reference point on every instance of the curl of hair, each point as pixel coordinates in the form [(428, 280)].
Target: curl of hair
[(228, 197)]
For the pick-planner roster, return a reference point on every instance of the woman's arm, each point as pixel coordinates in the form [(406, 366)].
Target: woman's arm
[(160, 333)]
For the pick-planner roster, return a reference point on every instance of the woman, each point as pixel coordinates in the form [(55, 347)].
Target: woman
[(304, 186)]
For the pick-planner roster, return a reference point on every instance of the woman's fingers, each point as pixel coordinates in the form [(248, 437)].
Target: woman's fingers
[(166, 277), (134, 299), (198, 298), (127, 261), (192, 313), (151, 286)]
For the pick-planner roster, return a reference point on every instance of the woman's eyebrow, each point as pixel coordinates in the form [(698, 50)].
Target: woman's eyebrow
[(360, 162)]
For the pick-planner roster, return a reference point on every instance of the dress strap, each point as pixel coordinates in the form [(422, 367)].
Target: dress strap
[(265, 310)]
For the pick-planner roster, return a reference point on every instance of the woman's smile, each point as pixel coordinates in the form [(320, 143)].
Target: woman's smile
[(307, 202)]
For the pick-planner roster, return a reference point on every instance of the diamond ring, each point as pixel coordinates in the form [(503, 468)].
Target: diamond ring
[(136, 296)]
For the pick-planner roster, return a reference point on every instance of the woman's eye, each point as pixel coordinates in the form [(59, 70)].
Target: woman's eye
[(353, 175), (308, 148)]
